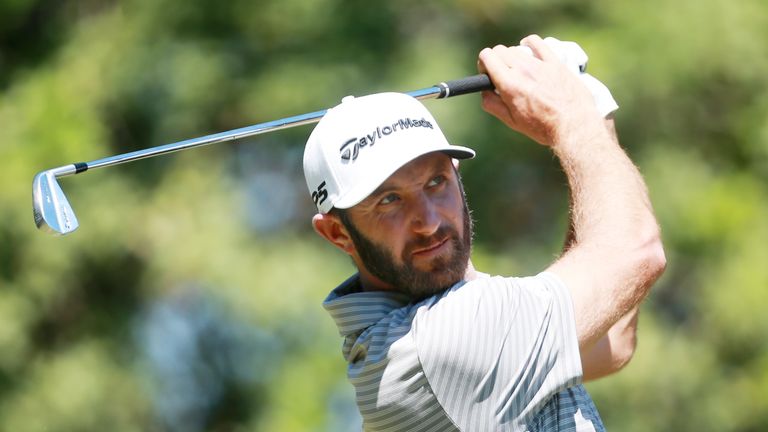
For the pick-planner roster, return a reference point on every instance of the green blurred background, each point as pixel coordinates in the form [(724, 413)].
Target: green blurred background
[(189, 299)]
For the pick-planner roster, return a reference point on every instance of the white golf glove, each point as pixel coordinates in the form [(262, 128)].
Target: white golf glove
[(575, 59)]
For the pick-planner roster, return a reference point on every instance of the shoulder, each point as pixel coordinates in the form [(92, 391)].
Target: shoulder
[(470, 325), (493, 298), (508, 341)]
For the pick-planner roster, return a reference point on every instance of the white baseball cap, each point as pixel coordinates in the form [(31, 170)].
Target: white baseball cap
[(359, 143)]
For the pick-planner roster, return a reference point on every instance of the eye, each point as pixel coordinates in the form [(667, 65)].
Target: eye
[(389, 199), (436, 181)]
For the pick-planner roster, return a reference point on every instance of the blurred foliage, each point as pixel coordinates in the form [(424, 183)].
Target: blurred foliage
[(190, 297)]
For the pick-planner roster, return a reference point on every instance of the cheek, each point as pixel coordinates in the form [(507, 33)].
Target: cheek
[(454, 208), (388, 233), (396, 237)]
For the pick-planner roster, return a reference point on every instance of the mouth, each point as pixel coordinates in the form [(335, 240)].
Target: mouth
[(430, 249)]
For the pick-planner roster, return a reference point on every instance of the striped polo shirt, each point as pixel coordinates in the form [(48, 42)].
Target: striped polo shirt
[(490, 354)]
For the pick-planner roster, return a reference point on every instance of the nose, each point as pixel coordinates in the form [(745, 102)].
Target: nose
[(425, 218)]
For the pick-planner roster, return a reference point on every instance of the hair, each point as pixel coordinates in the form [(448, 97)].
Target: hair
[(343, 216)]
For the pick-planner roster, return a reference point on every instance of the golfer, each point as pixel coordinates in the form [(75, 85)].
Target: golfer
[(433, 344)]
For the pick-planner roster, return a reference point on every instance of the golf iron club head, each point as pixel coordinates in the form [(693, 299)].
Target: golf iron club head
[(52, 211)]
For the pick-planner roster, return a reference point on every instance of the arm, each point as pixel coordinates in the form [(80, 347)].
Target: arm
[(616, 252), (614, 350)]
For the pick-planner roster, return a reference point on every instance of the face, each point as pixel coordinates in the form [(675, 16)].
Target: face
[(414, 232)]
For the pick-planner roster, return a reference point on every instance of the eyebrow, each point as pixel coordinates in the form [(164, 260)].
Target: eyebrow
[(386, 187), (383, 189)]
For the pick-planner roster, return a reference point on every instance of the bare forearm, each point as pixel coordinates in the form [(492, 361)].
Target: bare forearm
[(614, 230), (615, 348), (609, 199)]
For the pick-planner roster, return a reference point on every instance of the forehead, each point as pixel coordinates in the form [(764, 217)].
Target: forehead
[(415, 170)]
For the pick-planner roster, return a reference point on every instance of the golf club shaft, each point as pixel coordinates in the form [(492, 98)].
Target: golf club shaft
[(447, 89)]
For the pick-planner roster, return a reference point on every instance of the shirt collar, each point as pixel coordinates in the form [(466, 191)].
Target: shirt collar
[(354, 310)]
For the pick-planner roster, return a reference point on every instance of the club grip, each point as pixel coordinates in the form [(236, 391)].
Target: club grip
[(466, 85)]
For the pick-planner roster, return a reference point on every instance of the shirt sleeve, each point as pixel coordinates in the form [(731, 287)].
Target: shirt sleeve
[(495, 349)]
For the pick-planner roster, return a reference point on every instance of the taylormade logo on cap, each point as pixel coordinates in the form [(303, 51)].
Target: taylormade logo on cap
[(361, 142), (350, 149)]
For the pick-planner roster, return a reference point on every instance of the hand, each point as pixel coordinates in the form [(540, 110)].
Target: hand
[(536, 95)]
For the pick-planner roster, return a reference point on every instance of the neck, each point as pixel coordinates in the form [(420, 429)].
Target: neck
[(369, 282)]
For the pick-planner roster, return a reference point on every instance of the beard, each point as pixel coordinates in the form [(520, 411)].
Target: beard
[(443, 271)]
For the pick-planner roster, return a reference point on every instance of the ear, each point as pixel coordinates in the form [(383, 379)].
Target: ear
[(330, 228), (455, 163)]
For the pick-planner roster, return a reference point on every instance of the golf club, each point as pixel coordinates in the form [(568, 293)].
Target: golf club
[(54, 214)]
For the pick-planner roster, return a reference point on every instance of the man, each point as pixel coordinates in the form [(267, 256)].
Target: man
[(434, 345)]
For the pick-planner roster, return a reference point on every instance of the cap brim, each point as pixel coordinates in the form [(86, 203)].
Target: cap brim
[(361, 191)]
